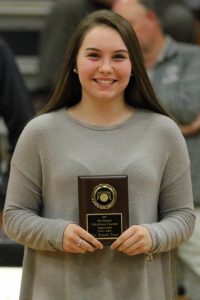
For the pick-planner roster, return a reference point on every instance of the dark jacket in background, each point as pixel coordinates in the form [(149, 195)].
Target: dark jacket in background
[(16, 107)]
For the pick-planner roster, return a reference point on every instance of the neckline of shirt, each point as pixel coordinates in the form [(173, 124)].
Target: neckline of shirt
[(101, 127)]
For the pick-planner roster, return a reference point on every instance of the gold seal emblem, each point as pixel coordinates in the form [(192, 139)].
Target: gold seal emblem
[(104, 196)]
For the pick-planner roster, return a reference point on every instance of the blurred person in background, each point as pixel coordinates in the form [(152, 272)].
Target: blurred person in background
[(16, 109), (174, 70), (180, 22), (194, 5), (54, 38)]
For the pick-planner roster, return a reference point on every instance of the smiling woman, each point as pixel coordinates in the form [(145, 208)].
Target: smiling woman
[(103, 121)]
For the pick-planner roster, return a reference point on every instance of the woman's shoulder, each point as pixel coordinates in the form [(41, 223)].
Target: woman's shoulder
[(167, 136), (44, 121), (41, 125), (158, 120), (162, 127)]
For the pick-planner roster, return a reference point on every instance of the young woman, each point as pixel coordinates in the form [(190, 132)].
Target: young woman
[(103, 119)]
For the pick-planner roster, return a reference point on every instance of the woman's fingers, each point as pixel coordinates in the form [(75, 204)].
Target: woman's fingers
[(78, 240), (133, 241)]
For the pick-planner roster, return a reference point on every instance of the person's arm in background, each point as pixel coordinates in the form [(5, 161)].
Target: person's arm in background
[(188, 92), (192, 128), (16, 107)]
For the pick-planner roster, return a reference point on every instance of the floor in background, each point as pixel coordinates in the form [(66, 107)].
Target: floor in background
[(10, 278), (10, 283)]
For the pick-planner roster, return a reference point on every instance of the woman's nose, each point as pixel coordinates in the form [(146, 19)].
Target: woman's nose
[(106, 67)]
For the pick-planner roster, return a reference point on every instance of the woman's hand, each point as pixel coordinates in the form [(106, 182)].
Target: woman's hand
[(135, 240), (78, 240)]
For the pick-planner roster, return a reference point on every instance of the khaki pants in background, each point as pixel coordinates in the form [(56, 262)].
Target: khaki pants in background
[(189, 254)]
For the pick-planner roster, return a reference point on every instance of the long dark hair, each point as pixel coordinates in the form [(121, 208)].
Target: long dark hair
[(139, 92)]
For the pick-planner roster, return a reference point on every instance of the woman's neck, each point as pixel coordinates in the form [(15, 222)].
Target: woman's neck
[(102, 114)]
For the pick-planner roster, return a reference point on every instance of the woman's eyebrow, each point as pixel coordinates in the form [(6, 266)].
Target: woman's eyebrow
[(95, 49), (91, 48)]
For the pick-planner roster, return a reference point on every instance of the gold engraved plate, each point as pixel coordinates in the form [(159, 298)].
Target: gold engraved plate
[(104, 196)]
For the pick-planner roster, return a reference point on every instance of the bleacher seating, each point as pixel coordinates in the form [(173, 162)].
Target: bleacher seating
[(21, 23)]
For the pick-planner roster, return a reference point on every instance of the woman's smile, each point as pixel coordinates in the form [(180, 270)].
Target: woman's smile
[(105, 82)]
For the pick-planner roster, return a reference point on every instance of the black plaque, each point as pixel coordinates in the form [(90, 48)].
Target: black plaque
[(103, 206)]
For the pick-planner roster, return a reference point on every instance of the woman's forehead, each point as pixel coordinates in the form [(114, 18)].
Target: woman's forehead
[(103, 36)]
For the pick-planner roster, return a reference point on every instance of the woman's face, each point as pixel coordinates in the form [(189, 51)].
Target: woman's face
[(103, 65)]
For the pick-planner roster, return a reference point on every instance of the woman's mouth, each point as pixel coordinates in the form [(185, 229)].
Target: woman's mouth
[(105, 82)]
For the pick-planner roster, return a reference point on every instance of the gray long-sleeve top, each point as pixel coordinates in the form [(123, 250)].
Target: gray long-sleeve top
[(53, 150)]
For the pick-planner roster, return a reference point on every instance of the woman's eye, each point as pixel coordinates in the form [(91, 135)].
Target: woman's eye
[(93, 55), (119, 57)]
